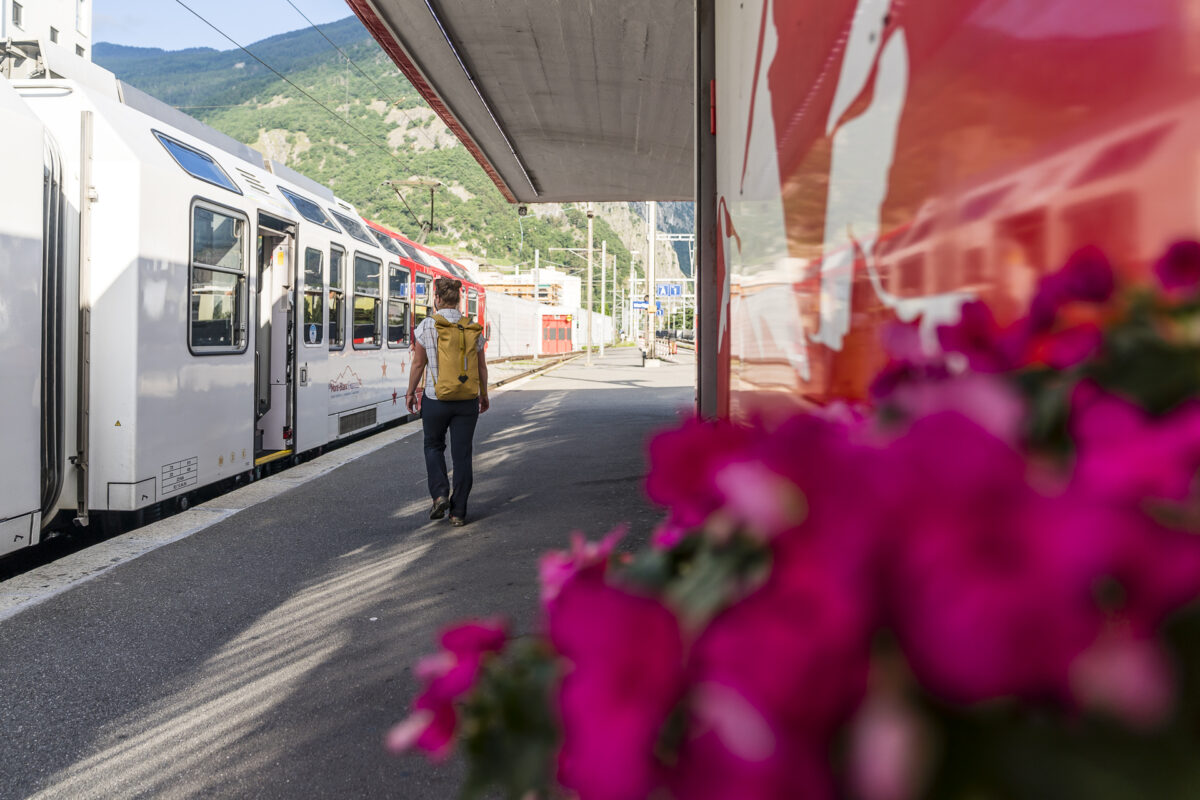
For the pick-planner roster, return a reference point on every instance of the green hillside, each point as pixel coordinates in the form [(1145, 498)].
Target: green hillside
[(379, 129)]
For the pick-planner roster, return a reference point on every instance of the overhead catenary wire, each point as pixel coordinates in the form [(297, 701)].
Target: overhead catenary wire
[(366, 137)]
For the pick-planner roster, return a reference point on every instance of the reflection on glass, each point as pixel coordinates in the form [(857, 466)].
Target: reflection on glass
[(337, 269), (367, 278), (314, 298), (366, 321), (398, 283), (337, 320), (198, 164), (397, 322), (216, 239), (215, 308), (423, 310)]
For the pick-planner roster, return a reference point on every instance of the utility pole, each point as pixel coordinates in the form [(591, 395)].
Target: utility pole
[(651, 312), (615, 304), (631, 325), (603, 280), (589, 292)]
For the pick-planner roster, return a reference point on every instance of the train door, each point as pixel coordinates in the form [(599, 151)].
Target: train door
[(274, 346)]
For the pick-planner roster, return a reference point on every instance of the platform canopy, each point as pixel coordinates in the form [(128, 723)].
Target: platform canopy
[(559, 100)]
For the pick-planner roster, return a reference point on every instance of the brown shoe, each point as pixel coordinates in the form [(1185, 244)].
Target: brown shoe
[(458, 522), (439, 508)]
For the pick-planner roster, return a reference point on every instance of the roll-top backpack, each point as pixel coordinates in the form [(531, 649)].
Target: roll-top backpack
[(458, 359)]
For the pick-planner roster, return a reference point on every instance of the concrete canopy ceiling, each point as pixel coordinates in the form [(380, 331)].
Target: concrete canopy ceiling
[(559, 100)]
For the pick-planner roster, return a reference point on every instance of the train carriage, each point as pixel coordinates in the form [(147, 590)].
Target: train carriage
[(221, 312)]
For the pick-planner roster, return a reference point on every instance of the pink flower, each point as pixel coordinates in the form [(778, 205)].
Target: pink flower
[(558, 566), (988, 592), (888, 754), (986, 399), (776, 675), (1065, 348), (624, 657), (1087, 277), (1179, 268), (980, 339), (449, 675), (684, 463), (1130, 678), (1122, 451)]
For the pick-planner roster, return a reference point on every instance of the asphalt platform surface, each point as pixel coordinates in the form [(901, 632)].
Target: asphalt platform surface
[(266, 655)]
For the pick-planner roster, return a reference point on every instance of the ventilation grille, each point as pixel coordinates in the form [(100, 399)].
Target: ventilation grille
[(359, 419), (254, 182)]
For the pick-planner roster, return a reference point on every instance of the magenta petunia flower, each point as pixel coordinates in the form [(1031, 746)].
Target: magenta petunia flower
[(684, 463), (1178, 271), (986, 592), (1087, 277), (557, 567), (978, 337), (774, 675), (449, 674), (624, 674), (1065, 348)]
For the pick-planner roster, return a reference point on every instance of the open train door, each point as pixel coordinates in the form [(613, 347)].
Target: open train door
[(274, 345)]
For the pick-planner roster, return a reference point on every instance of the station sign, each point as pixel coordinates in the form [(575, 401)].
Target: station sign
[(669, 290), (640, 304)]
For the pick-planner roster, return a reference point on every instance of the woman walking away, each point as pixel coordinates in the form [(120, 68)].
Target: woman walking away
[(450, 347)]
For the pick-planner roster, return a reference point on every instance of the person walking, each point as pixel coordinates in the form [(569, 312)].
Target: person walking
[(455, 395)]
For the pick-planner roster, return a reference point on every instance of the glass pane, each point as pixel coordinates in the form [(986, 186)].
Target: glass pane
[(308, 209), (387, 242), (367, 277), (216, 308), (366, 321), (314, 310), (313, 274), (337, 260), (353, 227), (337, 320), (216, 239), (397, 322), (398, 283), (198, 164), (472, 303)]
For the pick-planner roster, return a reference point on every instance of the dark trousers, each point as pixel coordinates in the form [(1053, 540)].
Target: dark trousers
[(459, 418)]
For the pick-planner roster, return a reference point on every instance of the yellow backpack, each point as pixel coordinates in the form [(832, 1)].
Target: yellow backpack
[(458, 360)]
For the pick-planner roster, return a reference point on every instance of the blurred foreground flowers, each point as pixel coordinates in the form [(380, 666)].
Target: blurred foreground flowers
[(968, 590)]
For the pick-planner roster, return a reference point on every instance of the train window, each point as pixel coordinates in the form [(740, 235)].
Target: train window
[(337, 298), (399, 316), (217, 316), (352, 227), (314, 297), (368, 305), (422, 300), (197, 163), (387, 242), (409, 251), (308, 209), (472, 303)]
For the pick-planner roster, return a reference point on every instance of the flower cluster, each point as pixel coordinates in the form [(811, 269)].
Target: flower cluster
[(1009, 526)]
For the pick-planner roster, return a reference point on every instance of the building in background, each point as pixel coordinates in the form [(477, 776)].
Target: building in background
[(67, 23)]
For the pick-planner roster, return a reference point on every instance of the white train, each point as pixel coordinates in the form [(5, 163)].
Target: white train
[(174, 311)]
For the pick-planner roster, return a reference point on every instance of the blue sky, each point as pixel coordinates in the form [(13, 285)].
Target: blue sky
[(166, 24)]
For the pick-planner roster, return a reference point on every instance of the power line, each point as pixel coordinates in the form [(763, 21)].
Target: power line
[(343, 52), (289, 82), (395, 103)]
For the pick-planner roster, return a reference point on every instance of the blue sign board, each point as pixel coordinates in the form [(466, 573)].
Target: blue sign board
[(640, 304), (669, 290)]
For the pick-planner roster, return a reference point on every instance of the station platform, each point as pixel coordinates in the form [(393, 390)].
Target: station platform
[(266, 653)]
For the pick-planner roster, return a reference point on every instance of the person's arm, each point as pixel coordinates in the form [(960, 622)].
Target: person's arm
[(484, 403), (412, 399)]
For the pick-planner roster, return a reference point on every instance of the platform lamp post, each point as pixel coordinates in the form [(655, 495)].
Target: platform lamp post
[(630, 317), (603, 280), (590, 215), (615, 304), (651, 311)]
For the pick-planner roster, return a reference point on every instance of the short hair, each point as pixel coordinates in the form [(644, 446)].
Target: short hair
[(448, 291)]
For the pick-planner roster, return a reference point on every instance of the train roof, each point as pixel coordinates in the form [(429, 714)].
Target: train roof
[(558, 102)]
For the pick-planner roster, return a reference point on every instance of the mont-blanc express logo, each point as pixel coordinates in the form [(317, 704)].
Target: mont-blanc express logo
[(347, 382)]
